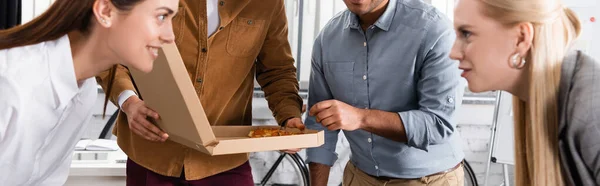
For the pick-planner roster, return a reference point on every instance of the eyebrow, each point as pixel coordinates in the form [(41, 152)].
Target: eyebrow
[(463, 26), (170, 11)]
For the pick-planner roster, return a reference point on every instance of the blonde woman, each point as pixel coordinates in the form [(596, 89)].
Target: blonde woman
[(523, 47)]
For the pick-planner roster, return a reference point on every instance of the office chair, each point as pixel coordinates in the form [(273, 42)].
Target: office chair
[(106, 131)]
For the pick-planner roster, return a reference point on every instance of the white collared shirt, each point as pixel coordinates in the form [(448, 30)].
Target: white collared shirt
[(43, 113)]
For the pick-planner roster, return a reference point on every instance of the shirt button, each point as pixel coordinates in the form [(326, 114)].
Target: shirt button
[(364, 77), (450, 100), (369, 140), (204, 50), (199, 80), (222, 3), (365, 44), (376, 167)]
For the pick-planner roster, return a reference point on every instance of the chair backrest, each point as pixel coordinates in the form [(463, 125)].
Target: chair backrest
[(106, 131)]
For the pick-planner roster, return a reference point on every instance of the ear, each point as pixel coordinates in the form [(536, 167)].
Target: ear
[(103, 12), (525, 38)]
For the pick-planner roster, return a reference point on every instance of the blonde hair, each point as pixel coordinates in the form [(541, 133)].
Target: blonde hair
[(536, 121)]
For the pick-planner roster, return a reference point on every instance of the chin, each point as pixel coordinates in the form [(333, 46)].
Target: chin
[(476, 89), (358, 11), (145, 68)]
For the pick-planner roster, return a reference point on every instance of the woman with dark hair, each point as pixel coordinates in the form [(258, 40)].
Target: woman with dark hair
[(47, 84)]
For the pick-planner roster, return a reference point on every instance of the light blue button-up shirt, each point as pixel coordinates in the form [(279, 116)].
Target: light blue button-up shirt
[(400, 64)]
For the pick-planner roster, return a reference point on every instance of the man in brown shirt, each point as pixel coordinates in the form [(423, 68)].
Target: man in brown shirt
[(224, 44)]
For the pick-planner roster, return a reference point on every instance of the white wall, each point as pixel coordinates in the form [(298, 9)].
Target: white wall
[(33, 8), (586, 10)]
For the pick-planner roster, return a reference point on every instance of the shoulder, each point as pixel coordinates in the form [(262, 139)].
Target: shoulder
[(29, 64), (584, 93), (420, 15)]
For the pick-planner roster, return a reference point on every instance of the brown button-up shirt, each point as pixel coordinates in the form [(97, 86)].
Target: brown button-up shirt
[(251, 42)]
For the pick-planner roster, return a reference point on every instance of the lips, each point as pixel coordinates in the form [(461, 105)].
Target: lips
[(356, 2), (465, 72), (153, 51)]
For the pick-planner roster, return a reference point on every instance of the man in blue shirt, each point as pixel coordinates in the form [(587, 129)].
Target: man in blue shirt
[(381, 74)]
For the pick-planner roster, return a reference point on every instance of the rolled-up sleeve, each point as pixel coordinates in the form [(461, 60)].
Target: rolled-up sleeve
[(319, 91), (439, 90)]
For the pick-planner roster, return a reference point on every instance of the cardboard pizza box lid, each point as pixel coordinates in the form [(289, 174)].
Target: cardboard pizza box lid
[(169, 91)]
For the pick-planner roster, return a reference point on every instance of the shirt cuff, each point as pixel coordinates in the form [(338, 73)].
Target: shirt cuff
[(321, 155), (287, 112), (124, 96), (415, 126)]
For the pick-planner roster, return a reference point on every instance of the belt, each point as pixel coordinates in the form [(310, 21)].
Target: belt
[(434, 174)]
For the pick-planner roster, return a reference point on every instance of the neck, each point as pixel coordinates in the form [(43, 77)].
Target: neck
[(521, 88), (90, 55), (369, 19)]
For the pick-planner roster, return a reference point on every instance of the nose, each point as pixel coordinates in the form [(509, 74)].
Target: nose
[(167, 35), (456, 52)]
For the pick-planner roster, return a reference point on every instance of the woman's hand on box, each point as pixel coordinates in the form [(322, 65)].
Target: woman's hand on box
[(137, 117)]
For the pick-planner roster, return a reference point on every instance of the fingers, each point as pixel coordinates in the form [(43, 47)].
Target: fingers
[(151, 127), (295, 123), (154, 129), (143, 132), (148, 112), (331, 123), (144, 128), (300, 126), (324, 115), (140, 124), (328, 121), (320, 107), (303, 108), (291, 151)]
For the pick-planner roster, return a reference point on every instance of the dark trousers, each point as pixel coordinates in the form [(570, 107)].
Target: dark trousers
[(140, 176)]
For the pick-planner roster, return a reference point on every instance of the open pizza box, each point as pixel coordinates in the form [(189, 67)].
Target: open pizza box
[(168, 90)]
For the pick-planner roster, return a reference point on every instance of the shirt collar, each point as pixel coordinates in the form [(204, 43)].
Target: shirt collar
[(62, 71), (383, 22)]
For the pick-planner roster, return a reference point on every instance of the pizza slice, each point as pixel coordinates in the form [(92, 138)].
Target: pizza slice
[(268, 132)]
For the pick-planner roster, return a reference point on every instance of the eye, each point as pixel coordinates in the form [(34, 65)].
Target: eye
[(465, 34), (162, 18)]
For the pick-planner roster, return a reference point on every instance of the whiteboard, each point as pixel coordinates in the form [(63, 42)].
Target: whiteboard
[(503, 150)]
